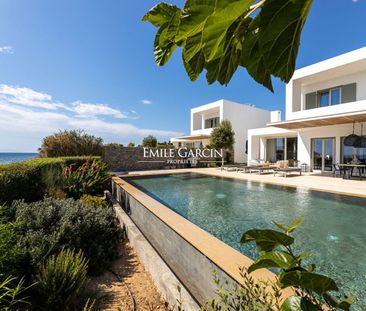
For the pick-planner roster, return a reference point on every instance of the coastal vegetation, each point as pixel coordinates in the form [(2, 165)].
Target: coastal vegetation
[(71, 143), (149, 141), (56, 228)]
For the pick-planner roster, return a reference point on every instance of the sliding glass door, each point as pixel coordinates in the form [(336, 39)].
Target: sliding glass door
[(323, 150)]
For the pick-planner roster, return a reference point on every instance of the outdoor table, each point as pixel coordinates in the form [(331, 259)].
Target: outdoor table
[(361, 168)]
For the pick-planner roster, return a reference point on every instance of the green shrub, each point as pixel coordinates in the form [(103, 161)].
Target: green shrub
[(90, 178), (13, 294), (252, 295), (47, 226), (61, 279), (10, 254), (94, 201), (32, 180), (71, 143)]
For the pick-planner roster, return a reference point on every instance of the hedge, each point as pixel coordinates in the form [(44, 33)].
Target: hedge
[(32, 180)]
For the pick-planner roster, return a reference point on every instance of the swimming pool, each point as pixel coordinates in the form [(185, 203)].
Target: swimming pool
[(334, 229)]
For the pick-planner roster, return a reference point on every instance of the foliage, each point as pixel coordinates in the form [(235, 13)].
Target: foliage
[(252, 295), (90, 178), (10, 254), (89, 305), (219, 36), (165, 145), (32, 180), (61, 279), (131, 145), (276, 251), (94, 201), (113, 145), (222, 136), (71, 143), (48, 226), (12, 293), (149, 141)]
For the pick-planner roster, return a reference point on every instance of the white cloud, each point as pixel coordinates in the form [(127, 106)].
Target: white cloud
[(26, 116), (6, 50), (91, 110), (146, 101)]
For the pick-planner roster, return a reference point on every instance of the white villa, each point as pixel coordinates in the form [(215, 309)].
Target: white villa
[(323, 102), (205, 118)]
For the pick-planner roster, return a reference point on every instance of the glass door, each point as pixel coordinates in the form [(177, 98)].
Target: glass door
[(323, 154)]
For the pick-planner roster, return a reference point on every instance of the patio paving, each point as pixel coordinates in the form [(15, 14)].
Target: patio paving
[(311, 181)]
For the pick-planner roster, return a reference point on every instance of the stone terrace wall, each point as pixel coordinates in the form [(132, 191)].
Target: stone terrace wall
[(125, 159)]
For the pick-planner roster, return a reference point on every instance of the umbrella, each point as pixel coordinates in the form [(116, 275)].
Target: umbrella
[(350, 140), (361, 140)]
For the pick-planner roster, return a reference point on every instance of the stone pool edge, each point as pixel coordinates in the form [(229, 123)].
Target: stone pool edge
[(199, 252)]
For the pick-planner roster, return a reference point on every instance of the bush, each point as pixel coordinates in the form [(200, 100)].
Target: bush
[(149, 141), (10, 254), (32, 180), (61, 279), (48, 226), (71, 143), (90, 178), (94, 201), (252, 295)]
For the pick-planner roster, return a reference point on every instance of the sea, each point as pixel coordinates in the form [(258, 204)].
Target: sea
[(10, 157)]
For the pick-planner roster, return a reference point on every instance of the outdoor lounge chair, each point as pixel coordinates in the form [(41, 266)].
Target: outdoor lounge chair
[(287, 170), (267, 169), (229, 167)]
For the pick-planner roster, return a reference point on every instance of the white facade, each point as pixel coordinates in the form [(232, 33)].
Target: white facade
[(322, 102), (242, 117)]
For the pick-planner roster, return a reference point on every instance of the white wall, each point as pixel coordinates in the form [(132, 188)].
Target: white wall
[(243, 118), (296, 91), (336, 131)]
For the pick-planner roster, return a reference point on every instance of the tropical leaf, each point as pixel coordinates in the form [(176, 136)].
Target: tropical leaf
[(311, 281), (291, 227), (279, 259), (266, 239), (219, 36), (296, 303), (281, 23)]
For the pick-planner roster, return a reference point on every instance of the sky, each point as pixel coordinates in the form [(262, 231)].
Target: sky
[(77, 64)]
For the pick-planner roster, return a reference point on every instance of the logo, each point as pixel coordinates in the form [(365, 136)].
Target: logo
[(181, 155)]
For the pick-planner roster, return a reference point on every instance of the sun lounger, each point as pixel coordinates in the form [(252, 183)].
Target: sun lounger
[(250, 168), (267, 169), (287, 170), (229, 167)]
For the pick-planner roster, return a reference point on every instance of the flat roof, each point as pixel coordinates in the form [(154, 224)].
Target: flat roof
[(343, 118), (191, 137)]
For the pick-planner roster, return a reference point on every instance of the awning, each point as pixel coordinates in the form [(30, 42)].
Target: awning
[(191, 138), (321, 121)]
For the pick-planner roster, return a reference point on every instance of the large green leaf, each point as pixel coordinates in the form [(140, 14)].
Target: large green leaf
[(266, 239), (296, 303), (221, 35), (317, 283), (292, 226), (273, 259), (281, 23), (160, 14)]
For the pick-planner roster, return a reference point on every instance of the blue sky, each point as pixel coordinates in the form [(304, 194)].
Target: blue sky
[(89, 64)]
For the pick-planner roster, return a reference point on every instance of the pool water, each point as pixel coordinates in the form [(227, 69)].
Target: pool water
[(334, 230)]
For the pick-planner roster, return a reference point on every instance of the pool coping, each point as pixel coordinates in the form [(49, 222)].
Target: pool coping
[(243, 177), (224, 256)]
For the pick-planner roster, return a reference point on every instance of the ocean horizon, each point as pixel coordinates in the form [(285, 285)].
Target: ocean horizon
[(13, 157)]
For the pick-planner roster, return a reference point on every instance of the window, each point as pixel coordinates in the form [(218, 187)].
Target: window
[(212, 122), (275, 150), (349, 154), (329, 97)]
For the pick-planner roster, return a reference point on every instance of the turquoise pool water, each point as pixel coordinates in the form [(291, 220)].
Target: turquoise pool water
[(334, 229)]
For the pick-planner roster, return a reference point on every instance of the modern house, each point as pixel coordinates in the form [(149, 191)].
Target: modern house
[(324, 102), (205, 118)]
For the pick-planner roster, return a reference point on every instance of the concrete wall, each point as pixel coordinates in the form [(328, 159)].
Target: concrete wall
[(192, 268)]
